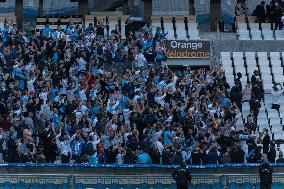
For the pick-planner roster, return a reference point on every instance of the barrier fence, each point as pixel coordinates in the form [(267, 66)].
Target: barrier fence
[(79, 176)]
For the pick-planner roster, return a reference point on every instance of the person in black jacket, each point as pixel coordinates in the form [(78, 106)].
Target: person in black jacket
[(265, 142), (237, 154), (12, 150), (167, 156), (196, 157), (277, 17), (254, 108), (130, 157), (271, 155), (265, 174), (236, 95), (182, 176), (260, 13)]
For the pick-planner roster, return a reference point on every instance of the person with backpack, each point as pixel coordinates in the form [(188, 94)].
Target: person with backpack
[(90, 149), (182, 176), (265, 174)]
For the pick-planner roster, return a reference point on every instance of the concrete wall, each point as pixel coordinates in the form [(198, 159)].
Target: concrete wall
[(8, 6), (136, 8), (170, 7), (102, 5), (249, 46)]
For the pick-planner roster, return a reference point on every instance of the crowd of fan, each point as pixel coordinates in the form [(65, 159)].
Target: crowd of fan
[(81, 97)]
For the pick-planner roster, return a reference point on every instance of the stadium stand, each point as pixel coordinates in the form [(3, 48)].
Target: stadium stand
[(102, 103)]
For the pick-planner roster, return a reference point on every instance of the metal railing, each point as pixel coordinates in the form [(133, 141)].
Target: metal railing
[(85, 175)]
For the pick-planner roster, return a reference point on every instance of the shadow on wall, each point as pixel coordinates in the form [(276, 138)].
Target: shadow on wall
[(109, 5)]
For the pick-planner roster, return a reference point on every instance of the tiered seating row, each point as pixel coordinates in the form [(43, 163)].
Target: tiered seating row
[(54, 22), (247, 29), (269, 65), (179, 27)]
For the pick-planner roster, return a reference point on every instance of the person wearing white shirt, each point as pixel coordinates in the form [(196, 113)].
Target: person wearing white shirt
[(78, 115), (276, 93), (82, 95), (172, 85), (93, 93), (160, 99), (81, 65), (64, 147), (30, 85), (84, 109), (140, 60), (112, 105), (43, 95), (159, 145), (126, 114)]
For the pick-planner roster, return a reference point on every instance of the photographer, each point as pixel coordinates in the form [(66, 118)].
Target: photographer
[(275, 96)]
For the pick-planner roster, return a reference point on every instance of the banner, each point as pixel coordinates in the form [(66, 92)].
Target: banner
[(188, 49)]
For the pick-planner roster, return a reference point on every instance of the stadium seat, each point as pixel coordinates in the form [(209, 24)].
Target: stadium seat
[(228, 67), (156, 22), (267, 35), (255, 34), (276, 127), (279, 34), (277, 69), (265, 70), (180, 30), (123, 20), (254, 26), (242, 26), (193, 34), (192, 25), (278, 136), (240, 66), (181, 34), (89, 19), (251, 63), (266, 26), (243, 35), (171, 34), (275, 55)]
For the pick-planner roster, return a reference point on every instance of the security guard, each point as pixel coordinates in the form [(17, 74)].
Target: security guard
[(182, 176)]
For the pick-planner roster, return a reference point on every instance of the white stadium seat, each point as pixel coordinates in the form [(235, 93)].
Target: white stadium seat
[(193, 34), (267, 35), (244, 34), (279, 34), (255, 34)]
